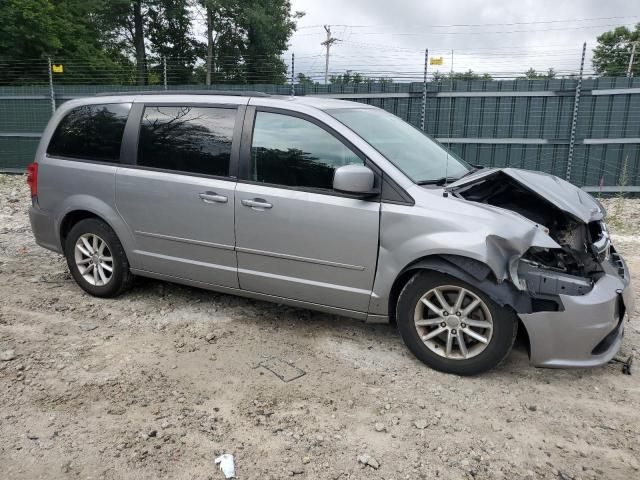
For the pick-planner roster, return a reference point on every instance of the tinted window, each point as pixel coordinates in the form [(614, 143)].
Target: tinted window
[(92, 132), (291, 151), (188, 139)]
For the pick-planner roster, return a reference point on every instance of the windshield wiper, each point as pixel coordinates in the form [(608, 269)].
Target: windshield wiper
[(437, 181), (442, 180)]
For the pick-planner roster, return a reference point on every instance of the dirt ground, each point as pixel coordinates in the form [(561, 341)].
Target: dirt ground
[(159, 382)]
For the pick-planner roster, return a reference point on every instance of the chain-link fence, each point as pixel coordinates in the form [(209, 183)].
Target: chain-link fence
[(584, 129)]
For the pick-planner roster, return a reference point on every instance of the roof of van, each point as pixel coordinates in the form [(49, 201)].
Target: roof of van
[(320, 101)]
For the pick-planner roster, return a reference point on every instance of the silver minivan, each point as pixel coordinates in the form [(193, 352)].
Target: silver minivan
[(333, 206)]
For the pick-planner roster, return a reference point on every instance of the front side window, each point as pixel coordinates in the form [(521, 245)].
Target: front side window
[(91, 132), (294, 152), (187, 139)]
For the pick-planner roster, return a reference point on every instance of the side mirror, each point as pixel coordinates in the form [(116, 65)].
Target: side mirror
[(353, 179)]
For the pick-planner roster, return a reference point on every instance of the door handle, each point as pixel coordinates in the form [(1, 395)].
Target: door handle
[(213, 197), (256, 203)]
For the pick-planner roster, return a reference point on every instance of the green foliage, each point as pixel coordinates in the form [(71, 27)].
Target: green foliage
[(269, 24), (170, 35), (125, 40), (304, 80), (28, 29), (532, 74), (32, 30), (468, 75), (613, 52), (356, 78)]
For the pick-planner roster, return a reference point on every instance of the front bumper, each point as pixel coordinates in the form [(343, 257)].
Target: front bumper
[(590, 329)]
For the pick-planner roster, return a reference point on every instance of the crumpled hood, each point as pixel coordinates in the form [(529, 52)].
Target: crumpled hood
[(565, 196)]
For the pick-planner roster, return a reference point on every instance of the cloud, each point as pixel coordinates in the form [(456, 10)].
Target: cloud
[(498, 37)]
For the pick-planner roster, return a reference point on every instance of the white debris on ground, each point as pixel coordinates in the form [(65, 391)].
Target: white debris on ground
[(153, 383), (227, 467)]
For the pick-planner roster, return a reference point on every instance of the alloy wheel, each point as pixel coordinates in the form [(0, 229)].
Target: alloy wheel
[(93, 259), (453, 322)]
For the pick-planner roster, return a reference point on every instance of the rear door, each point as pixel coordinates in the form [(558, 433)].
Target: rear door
[(296, 237), (178, 198)]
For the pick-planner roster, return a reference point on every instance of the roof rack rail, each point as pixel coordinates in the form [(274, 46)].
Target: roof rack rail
[(235, 93)]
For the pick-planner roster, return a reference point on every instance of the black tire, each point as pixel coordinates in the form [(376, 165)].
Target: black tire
[(505, 327), (121, 278)]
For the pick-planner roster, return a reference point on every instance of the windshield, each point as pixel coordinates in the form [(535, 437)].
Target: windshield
[(419, 157)]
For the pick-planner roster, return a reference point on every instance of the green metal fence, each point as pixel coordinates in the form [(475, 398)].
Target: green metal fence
[(520, 123)]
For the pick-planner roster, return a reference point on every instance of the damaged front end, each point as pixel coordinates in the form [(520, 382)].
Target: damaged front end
[(580, 290), (566, 214)]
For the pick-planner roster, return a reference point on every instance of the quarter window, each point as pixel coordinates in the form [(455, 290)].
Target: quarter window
[(187, 139), (91, 132), (294, 152)]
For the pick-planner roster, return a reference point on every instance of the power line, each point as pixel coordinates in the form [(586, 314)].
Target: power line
[(569, 20), (484, 32)]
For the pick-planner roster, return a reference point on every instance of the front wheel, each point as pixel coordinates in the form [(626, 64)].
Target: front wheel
[(452, 326)]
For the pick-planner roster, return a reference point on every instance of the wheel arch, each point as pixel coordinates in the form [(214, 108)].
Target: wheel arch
[(73, 217), (80, 207), (468, 270)]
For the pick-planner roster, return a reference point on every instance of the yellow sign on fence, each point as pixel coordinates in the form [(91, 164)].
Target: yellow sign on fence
[(435, 61), (57, 68)]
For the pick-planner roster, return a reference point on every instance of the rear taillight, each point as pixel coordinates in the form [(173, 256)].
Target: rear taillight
[(32, 178)]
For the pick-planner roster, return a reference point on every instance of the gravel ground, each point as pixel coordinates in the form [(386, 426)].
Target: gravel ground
[(157, 383)]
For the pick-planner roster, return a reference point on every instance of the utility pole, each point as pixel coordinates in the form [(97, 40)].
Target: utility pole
[(327, 43), (633, 53)]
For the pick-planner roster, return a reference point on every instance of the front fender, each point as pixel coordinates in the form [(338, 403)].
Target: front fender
[(411, 233)]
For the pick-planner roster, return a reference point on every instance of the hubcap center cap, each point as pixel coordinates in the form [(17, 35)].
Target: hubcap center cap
[(453, 321)]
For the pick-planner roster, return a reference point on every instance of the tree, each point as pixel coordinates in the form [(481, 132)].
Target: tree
[(532, 74), (245, 39), (124, 24), (356, 78), (268, 24), (113, 41), (221, 32), (28, 29), (466, 76), (304, 80), (65, 30), (612, 54), (171, 38)]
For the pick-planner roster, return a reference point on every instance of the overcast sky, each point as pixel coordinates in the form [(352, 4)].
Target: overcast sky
[(502, 37)]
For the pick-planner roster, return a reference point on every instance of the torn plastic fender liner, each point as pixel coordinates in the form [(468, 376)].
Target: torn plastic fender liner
[(477, 274)]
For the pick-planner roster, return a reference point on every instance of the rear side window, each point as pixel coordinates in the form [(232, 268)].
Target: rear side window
[(187, 139), (294, 152), (92, 132)]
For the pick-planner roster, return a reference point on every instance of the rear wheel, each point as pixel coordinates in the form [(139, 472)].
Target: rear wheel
[(452, 326), (96, 259)]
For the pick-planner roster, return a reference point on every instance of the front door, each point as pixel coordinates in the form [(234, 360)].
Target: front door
[(296, 237), (178, 200)]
